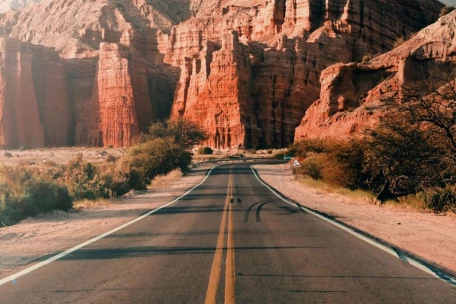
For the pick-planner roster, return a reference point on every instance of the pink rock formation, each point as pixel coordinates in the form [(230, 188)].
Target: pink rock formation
[(34, 109), (352, 95), (246, 70), (289, 43)]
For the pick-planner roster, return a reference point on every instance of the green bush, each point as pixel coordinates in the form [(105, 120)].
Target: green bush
[(311, 167), (84, 181), (24, 193), (205, 151), (155, 157), (181, 131), (279, 155)]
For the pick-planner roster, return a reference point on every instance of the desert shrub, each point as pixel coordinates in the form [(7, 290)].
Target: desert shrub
[(183, 132), (114, 180), (7, 154), (400, 159), (205, 151), (312, 166), (155, 157), (446, 10), (345, 165), (279, 155), (84, 181), (162, 181), (366, 58), (301, 148), (111, 158), (23, 193), (441, 199)]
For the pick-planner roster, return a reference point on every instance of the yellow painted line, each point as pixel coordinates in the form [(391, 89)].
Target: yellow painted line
[(230, 274), (214, 278)]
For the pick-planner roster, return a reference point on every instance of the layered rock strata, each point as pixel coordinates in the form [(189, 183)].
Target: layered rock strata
[(289, 43), (34, 109), (353, 95), (246, 70)]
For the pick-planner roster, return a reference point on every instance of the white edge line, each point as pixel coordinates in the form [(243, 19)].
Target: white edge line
[(373, 242), (21, 273)]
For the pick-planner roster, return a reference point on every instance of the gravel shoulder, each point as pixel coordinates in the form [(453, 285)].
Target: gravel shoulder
[(35, 238), (426, 235)]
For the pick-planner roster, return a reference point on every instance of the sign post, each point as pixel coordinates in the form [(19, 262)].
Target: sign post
[(287, 158)]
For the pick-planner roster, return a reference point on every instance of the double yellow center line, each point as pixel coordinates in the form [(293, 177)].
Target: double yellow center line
[(230, 276)]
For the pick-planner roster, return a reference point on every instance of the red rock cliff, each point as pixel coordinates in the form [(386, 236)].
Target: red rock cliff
[(127, 61), (34, 109), (289, 43), (353, 95)]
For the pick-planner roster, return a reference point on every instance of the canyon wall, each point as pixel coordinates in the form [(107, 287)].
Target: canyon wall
[(34, 108), (288, 44), (353, 95), (246, 70)]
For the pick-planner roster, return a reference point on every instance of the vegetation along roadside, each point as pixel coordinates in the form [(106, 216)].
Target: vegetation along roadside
[(30, 190)]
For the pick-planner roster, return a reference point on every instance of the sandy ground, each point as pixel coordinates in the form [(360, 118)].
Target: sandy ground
[(58, 155), (97, 155), (32, 239), (429, 236)]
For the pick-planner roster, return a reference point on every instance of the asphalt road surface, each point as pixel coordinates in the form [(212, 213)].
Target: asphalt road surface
[(231, 240)]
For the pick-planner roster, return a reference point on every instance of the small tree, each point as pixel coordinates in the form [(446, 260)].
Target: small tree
[(182, 131), (399, 159), (431, 104), (155, 157), (205, 150)]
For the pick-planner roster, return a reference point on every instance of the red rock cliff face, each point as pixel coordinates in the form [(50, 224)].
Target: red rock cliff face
[(289, 43), (221, 96), (34, 109), (353, 95), (246, 70)]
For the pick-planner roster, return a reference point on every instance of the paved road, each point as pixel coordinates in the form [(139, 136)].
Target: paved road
[(230, 240)]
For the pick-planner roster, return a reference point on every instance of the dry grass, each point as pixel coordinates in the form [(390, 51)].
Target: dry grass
[(57, 155), (410, 202), (247, 154), (163, 181), (330, 188), (86, 204)]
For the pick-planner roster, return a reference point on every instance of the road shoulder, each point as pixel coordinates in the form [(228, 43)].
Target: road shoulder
[(35, 238), (425, 235)]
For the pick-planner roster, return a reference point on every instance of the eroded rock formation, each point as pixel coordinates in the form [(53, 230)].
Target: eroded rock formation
[(353, 95), (246, 70), (288, 42), (34, 108)]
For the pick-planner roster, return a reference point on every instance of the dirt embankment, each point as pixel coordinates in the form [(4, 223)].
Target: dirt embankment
[(429, 236)]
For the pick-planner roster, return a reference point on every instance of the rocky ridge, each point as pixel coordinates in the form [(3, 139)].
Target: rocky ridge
[(353, 95), (247, 70)]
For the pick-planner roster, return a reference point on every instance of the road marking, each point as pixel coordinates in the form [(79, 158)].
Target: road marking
[(428, 269), (14, 277), (214, 277), (230, 274)]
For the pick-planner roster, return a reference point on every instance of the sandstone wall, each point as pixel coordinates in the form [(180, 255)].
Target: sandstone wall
[(246, 70), (288, 43), (34, 108), (353, 95)]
